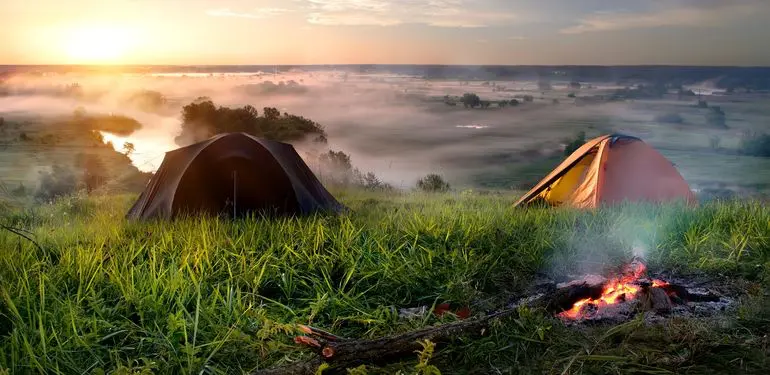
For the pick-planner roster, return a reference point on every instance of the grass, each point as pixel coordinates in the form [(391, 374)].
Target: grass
[(214, 296)]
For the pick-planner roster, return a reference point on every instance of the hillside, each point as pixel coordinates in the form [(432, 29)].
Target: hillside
[(203, 295)]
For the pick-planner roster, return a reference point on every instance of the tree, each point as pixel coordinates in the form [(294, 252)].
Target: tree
[(514, 102), (574, 144), (575, 85), (754, 144), (336, 167), (79, 113), (202, 118), (128, 148), (716, 117), (669, 118), (571, 95), (714, 142), (433, 183), (470, 100), (148, 100), (94, 172), (502, 103)]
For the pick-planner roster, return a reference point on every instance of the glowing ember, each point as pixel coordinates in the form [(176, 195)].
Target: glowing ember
[(616, 290)]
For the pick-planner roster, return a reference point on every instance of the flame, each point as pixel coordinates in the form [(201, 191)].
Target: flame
[(616, 290)]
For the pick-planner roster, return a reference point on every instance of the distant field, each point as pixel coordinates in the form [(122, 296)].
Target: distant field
[(102, 295)]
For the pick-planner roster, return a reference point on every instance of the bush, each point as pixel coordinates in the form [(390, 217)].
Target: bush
[(574, 144), (147, 100), (714, 142), (432, 183), (94, 172), (670, 118), (514, 102), (470, 100), (56, 183), (571, 95), (716, 117), (754, 144), (369, 181), (336, 167)]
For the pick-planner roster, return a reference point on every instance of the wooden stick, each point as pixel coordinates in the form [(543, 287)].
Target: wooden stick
[(351, 353)]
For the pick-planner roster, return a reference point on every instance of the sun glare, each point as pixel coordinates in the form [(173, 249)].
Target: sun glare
[(98, 45)]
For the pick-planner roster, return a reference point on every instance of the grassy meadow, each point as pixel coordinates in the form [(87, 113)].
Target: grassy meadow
[(105, 296)]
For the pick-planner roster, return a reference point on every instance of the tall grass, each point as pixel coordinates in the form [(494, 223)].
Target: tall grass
[(217, 296)]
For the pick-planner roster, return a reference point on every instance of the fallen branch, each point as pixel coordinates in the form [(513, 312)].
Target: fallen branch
[(340, 353)]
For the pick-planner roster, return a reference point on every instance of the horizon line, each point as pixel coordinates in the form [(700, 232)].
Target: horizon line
[(387, 64)]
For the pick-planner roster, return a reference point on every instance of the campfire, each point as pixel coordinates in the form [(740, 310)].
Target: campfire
[(628, 291)]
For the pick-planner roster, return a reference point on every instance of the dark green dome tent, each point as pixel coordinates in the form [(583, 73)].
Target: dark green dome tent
[(233, 174)]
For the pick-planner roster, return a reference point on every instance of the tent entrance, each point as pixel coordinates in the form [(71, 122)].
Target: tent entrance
[(563, 188), (232, 187)]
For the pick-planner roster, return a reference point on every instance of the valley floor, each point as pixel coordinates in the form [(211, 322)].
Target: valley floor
[(103, 295)]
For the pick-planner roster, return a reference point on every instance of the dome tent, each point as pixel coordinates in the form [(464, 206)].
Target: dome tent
[(233, 174), (611, 169)]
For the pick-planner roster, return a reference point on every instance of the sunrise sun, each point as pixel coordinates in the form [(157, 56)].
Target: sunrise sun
[(98, 44)]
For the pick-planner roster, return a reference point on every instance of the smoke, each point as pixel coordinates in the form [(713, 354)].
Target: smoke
[(396, 126)]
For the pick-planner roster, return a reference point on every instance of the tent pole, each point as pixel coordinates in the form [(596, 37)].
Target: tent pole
[(235, 197)]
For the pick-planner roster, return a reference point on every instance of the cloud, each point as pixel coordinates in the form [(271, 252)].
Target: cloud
[(259, 13), (517, 37), (690, 16), (437, 13)]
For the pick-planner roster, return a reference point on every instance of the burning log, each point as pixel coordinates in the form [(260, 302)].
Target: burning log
[(654, 299)]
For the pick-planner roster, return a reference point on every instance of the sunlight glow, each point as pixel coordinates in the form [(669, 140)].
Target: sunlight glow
[(98, 44)]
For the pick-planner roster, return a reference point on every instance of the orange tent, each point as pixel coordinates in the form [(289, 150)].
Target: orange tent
[(611, 169)]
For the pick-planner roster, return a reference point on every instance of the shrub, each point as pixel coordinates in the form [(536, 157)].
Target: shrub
[(716, 117), (336, 167), (574, 144), (147, 100), (56, 183), (714, 142), (471, 100), (754, 144), (670, 118), (432, 183), (369, 181)]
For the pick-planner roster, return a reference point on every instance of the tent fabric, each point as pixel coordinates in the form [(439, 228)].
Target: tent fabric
[(611, 169), (233, 173)]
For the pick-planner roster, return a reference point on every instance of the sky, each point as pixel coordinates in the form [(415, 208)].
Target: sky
[(477, 32)]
